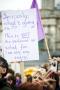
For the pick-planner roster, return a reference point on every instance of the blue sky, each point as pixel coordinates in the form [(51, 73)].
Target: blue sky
[(17, 4)]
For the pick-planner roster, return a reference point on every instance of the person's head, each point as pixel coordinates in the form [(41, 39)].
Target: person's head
[(18, 75), (37, 76), (29, 78), (3, 67), (31, 86), (11, 80), (11, 71)]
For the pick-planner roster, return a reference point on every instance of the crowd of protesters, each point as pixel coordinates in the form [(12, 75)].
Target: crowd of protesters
[(9, 80)]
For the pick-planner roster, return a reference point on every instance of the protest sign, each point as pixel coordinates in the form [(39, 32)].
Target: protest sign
[(20, 36)]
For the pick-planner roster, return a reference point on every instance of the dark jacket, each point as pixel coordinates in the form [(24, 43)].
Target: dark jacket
[(3, 85)]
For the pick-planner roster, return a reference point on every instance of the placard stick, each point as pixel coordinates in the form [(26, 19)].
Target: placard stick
[(47, 48), (22, 70)]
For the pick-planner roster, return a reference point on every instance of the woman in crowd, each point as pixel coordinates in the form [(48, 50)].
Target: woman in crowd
[(11, 82), (3, 72), (50, 81), (18, 79)]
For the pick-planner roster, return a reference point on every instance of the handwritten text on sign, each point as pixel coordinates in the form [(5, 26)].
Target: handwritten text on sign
[(20, 35)]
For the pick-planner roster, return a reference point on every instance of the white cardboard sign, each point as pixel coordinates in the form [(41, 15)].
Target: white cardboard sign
[(20, 35)]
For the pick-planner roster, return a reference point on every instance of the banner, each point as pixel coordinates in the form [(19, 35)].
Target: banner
[(39, 24)]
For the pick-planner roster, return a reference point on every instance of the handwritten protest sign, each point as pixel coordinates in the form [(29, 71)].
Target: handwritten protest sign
[(20, 36)]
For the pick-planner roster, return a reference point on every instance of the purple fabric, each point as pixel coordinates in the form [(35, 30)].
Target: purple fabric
[(39, 25)]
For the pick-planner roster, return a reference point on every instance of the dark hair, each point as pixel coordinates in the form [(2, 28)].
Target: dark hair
[(3, 63), (11, 71), (18, 75), (29, 78), (11, 77)]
